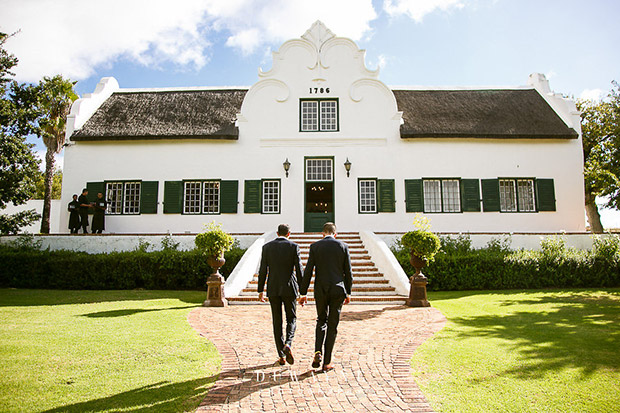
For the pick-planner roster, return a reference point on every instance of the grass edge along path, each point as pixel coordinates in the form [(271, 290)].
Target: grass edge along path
[(79, 351), (523, 351)]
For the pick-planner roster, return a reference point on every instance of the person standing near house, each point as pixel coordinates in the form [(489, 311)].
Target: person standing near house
[(99, 217), (84, 205), (280, 259), (332, 289), (74, 215)]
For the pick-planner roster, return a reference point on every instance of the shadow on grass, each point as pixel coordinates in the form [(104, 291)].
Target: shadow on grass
[(11, 297), (577, 331), (158, 397), (130, 311)]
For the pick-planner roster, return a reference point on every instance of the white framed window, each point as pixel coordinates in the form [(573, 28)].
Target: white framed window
[(211, 197), (451, 195), (123, 198), (192, 198), (131, 204), (368, 196), (271, 197), (507, 195), (318, 115), (114, 196), (329, 115), (309, 115), (525, 193), (432, 195), (319, 170)]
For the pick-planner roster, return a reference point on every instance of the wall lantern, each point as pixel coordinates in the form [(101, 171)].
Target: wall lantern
[(287, 166), (347, 166)]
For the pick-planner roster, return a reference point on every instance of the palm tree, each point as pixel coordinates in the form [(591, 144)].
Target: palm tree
[(57, 96)]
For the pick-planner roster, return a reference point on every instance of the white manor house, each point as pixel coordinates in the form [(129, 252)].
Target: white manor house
[(320, 138)]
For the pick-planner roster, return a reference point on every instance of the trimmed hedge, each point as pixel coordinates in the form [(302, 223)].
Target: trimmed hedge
[(168, 269), (494, 269)]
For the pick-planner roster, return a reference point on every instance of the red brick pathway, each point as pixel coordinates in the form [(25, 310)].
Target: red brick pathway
[(371, 355)]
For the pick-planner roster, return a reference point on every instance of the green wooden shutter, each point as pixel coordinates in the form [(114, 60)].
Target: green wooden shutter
[(229, 197), (414, 195), (93, 189), (252, 198), (173, 197), (545, 195), (386, 197), (149, 190), (470, 195), (490, 195)]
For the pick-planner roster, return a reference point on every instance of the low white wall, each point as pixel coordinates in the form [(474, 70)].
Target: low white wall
[(37, 205), (386, 262), (529, 241), (104, 243), (247, 266)]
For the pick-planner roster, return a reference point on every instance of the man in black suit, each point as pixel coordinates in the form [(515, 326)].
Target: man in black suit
[(332, 289), (281, 260)]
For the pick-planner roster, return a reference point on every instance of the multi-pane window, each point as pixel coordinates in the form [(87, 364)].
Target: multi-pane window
[(319, 170), (114, 196), (525, 189), (516, 195), (368, 195), (211, 197), (319, 115), (123, 198), (271, 197), (442, 195), (201, 197)]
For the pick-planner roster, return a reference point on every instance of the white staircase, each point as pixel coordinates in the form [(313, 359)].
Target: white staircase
[(370, 286)]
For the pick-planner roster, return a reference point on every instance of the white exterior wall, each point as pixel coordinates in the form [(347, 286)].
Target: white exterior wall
[(368, 136)]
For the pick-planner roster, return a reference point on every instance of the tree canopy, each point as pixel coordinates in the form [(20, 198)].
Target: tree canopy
[(600, 128)]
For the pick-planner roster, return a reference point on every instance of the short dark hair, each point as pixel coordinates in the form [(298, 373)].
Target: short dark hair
[(329, 228), (283, 229), (84, 190)]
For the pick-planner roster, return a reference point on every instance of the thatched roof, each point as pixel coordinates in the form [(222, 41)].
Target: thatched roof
[(519, 113), (210, 114), (191, 114)]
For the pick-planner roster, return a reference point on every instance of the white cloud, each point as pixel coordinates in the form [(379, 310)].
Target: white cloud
[(73, 37), (592, 94), (417, 9)]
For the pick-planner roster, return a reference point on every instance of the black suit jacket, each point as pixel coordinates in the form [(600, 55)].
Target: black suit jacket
[(332, 261), (281, 260)]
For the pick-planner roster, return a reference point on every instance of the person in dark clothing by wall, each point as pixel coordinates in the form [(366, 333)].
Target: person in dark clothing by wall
[(74, 215), (99, 218), (84, 205)]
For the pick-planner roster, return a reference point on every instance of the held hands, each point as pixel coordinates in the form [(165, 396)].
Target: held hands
[(303, 300), (347, 300), (261, 297)]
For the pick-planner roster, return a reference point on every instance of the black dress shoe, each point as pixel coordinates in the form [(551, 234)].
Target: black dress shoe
[(289, 355), (318, 357)]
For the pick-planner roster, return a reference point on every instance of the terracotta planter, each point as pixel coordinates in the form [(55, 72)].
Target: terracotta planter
[(215, 283), (417, 289)]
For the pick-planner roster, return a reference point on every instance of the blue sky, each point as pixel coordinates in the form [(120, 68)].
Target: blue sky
[(161, 43)]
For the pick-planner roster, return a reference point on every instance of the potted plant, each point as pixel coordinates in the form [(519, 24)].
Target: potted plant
[(213, 243), (422, 245)]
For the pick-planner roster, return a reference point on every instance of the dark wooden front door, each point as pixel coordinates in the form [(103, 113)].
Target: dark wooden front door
[(319, 193)]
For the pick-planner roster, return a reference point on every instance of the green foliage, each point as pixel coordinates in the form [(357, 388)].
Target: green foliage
[(18, 165), (56, 185), (214, 241), (500, 244), (460, 244), (28, 267), (169, 244), (555, 266), (607, 248), (423, 244)]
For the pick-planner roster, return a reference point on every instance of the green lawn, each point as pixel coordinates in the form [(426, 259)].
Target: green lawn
[(98, 351), (534, 351)]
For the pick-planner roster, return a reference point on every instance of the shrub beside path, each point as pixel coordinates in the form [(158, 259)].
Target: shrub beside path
[(371, 356)]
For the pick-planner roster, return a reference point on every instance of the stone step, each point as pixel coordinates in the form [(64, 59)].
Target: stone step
[(379, 280), (354, 291), (384, 299)]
